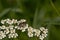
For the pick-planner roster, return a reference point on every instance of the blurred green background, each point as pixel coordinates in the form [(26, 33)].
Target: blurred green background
[(37, 13)]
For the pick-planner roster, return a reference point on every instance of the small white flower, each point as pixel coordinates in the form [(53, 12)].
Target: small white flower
[(45, 31), (3, 21), (30, 29), (41, 37), (15, 35), (12, 35), (16, 27), (18, 22), (44, 35), (3, 27), (14, 21), (30, 34), (11, 26), (12, 31), (9, 21), (23, 20), (6, 27), (42, 28), (6, 31), (23, 30), (2, 35), (37, 32)]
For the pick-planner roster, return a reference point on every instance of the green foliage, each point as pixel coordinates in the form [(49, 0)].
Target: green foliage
[(37, 13)]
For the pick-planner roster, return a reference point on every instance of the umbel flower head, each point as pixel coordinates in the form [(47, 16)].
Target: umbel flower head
[(9, 27)]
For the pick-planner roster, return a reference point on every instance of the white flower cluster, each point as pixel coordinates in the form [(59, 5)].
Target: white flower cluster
[(9, 27), (41, 33)]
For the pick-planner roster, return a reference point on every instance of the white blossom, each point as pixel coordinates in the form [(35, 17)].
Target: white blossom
[(45, 31), (9, 21), (37, 32), (3, 21), (3, 27), (30, 34), (41, 37), (12, 35), (18, 22), (42, 28), (30, 29), (44, 35), (23, 20), (2, 35), (14, 21), (12, 31), (6, 31), (11, 26), (16, 27)]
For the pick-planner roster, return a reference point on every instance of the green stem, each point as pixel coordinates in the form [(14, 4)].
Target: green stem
[(54, 7), (36, 14), (35, 19)]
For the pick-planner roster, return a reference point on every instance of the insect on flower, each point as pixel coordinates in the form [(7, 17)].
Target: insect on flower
[(22, 23)]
